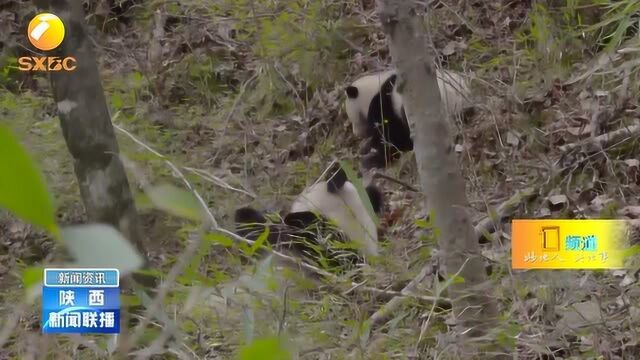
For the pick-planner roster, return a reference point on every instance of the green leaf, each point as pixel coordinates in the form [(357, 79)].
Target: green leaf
[(191, 272), (259, 242), (265, 349), (219, 239), (422, 223), (137, 79), (176, 201), (99, 245), (353, 178), (22, 188), (33, 275), (116, 101)]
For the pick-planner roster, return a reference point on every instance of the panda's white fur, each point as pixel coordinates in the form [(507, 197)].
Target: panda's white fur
[(345, 209), (454, 91)]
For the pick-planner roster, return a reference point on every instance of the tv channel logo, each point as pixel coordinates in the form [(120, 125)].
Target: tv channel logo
[(46, 32), (81, 301)]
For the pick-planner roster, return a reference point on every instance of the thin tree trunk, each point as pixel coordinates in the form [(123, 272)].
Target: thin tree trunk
[(87, 130), (440, 175), (90, 137)]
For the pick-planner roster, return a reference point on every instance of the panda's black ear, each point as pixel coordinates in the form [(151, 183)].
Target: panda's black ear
[(352, 92), (337, 180), (247, 215), (376, 198)]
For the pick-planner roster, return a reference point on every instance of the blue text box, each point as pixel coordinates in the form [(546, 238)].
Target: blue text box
[(82, 277)]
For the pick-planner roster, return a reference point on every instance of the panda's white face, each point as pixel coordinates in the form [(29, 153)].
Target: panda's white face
[(345, 209), (358, 108)]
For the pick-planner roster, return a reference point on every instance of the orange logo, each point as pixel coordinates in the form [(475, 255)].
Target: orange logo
[(46, 32)]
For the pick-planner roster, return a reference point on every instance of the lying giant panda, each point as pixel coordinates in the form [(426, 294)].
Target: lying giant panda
[(376, 112), (327, 208)]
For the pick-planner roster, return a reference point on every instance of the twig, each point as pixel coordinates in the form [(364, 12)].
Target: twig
[(176, 171), (379, 175), (284, 311), (602, 140), (216, 180)]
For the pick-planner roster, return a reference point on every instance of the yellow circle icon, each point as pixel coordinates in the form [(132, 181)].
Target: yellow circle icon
[(46, 31)]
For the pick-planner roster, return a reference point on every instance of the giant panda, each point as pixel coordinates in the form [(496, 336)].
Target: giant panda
[(374, 98), (331, 208)]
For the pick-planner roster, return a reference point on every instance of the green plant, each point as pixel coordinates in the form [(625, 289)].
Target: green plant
[(24, 193)]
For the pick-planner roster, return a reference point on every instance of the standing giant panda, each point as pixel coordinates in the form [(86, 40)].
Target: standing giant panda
[(325, 209), (374, 98)]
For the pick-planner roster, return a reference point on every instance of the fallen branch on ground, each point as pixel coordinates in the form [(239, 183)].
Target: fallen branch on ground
[(378, 175), (601, 141)]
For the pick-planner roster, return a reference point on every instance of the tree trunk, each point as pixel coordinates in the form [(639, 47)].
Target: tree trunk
[(87, 129), (440, 175), (90, 137)]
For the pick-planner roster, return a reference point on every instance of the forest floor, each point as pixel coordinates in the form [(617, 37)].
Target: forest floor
[(252, 112)]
